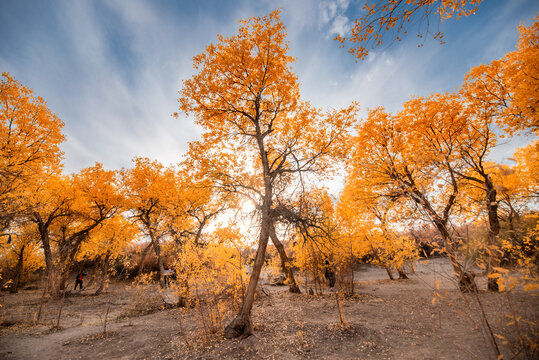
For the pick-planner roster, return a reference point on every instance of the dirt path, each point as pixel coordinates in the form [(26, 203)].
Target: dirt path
[(386, 320)]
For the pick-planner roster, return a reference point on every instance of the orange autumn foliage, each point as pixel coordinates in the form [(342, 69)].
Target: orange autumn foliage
[(65, 210), (30, 135), (259, 137), (509, 87), (393, 19), (146, 188)]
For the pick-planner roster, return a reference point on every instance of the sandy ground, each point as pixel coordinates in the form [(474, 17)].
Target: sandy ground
[(385, 320)]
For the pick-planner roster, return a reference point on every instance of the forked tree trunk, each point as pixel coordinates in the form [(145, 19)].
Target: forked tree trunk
[(64, 267), (50, 269), (241, 326), (285, 262), (154, 238), (68, 250)]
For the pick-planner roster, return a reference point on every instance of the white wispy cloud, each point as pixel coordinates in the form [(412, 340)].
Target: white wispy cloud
[(332, 17), (112, 69)]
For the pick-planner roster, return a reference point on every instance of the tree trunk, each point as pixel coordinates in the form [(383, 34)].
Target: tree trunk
[(18, 272), (63, 269), (68, 250), (104, 270), (466, 281), (63, 272), (157, 249), (50, 270), (241, 326), (513, 216), (285, 262), (402, 274), (389, 272), (143, 259), (493, 231)]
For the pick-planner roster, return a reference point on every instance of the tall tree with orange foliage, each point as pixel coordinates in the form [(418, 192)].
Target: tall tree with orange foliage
[(30, 135), (50, 200), (414, 155), (146, 188), (504, 92), (259, 137), (65, 211), (509, 87), (96, 200), (459, 137)]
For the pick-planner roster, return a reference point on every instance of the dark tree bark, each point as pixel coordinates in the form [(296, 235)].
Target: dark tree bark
[(389, 273), (18, 271), (154, 241), (493, 230), (68, 250), (402, 274), (157, 249), (50, 269), (285, 263)]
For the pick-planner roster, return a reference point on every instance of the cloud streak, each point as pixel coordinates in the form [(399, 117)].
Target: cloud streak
[(111, 69)]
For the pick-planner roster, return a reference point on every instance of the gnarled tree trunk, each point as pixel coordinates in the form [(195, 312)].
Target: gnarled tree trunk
[(285, 262)]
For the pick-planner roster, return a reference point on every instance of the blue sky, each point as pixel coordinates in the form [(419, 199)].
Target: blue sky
[(111, 69)]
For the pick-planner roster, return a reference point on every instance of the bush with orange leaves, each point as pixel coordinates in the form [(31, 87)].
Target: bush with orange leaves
[(212, 276)]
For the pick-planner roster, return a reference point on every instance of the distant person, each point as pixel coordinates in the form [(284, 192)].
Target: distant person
[(78, 280), (173, 275), (166, 280), (330, 276)]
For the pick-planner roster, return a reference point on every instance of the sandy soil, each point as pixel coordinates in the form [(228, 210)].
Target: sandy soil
[(385, 320)]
